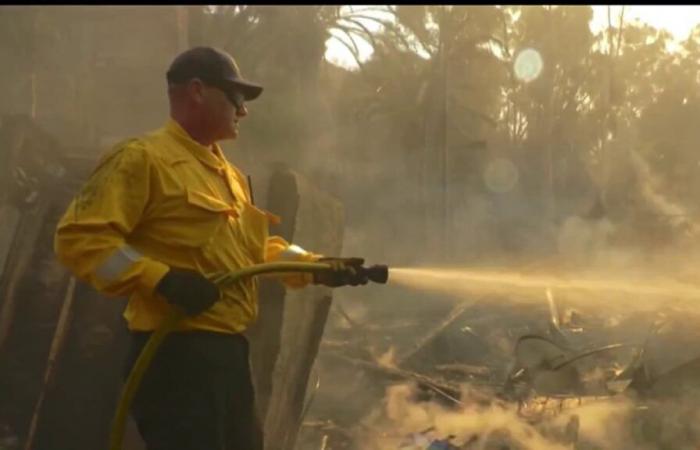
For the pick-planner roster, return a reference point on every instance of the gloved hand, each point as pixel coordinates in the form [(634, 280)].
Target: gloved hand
[(189, 290), (344, 272)]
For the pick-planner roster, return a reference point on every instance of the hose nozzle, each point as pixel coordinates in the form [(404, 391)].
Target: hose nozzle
[(377, 273)]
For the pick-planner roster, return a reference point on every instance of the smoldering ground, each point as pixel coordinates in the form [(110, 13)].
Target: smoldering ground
[(484, 422), (618, 294)]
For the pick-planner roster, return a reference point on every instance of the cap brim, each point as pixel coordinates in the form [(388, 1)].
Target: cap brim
[(250, 90)]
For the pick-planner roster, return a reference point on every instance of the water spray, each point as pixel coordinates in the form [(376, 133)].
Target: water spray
[(456, 282)]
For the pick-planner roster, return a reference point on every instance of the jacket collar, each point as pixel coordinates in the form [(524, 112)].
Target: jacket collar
[(211, 157)]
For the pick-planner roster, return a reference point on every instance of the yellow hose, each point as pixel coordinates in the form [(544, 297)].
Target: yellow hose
[(116, 438)]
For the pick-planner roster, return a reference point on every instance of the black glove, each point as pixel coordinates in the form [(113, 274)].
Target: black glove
[(344, 272), (189, 290)]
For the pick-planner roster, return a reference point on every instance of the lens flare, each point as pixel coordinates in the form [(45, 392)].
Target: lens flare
[(528, 65)]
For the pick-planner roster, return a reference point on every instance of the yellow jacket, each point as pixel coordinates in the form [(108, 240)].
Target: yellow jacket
[(165, 200)]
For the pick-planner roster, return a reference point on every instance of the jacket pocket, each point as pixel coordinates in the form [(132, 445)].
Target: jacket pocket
[(209, 203), (193, 220)]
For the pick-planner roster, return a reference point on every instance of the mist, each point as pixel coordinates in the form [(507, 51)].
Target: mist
[(520, 174)]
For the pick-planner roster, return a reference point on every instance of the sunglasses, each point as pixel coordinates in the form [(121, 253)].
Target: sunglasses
[(235, 97)]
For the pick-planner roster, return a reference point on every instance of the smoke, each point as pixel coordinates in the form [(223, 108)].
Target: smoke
[(485, 423), (606, 263), (632, 254), (388, 358)]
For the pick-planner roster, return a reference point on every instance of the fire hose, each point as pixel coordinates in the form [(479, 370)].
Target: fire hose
[(377, 274)]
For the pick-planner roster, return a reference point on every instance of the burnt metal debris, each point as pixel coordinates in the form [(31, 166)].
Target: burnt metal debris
[(543, 361)]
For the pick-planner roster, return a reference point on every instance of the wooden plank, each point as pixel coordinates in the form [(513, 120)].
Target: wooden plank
[(9, 219), (265, 335), (456, 312), (18, 261), (54, 352), (319, 228)]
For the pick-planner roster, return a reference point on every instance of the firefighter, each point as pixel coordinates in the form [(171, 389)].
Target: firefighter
[(159, 217)]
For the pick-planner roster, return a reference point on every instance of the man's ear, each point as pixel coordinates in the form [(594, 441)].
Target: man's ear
[(195, 90)]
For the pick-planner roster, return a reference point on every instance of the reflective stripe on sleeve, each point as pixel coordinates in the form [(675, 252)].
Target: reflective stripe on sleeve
[(117, 263), (292, 253)]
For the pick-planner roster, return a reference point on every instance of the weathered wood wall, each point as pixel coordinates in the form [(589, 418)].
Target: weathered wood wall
[(287, 338)]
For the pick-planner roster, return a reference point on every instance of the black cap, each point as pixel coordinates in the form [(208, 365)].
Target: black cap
[(214, 67)]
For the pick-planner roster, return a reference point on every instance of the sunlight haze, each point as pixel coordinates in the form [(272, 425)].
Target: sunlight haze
[(679, 20)]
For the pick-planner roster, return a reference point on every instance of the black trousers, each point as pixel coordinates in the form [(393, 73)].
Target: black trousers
[(197, 393)]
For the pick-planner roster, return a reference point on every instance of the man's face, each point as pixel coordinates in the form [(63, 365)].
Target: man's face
[(220, 114)]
